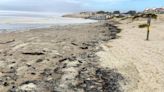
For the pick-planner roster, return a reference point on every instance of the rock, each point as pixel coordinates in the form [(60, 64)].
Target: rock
[(56, 70), (47, 72), (113, 30), (57, 56), (72, 64), (64, 59), (84, 47), (13, 89), (13, 62), (1, 74), (39, 60), (113, 37), (113, 33), (105, 38), (28, 65), (33, 73), (6, 84), (83, 55), (92, 43), (30, 87), (3, 64), (71, 58)]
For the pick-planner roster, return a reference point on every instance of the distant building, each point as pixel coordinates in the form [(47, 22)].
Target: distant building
[(155, 10), (160, 10), (88, 13), (99, 17)]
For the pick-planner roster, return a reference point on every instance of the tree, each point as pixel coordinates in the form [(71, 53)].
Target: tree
[(116, 12), (131, 12), (101, 12)]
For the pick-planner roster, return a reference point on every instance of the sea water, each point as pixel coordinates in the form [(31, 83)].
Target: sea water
[(24, 21)]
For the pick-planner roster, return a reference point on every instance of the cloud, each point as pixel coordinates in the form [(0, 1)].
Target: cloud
[(74, 5), (41, 5)]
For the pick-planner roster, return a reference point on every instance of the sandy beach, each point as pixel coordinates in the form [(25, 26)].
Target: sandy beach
[(81, 46), (108, 56), (60, 59), (140, 61)]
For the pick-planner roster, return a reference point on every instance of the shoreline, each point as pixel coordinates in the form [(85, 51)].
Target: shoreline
[(40, 28), (27, 23)]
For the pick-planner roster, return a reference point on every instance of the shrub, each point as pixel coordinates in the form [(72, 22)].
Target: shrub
[(153, 16), (116, 12), (143, 25), (131, 12), (101, 12)]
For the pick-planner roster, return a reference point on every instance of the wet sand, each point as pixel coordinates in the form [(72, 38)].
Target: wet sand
[(57, 59)]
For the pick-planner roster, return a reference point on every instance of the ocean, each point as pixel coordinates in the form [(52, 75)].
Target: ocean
[(13, 21)]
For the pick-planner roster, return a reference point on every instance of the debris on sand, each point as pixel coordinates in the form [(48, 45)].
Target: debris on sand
[(99, 80), (33, 53), (7, 42), (59, 61)]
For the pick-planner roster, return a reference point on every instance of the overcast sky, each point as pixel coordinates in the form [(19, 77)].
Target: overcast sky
[(78, 5)]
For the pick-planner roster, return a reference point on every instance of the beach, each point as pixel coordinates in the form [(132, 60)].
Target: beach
[(58, 58), (106, 56), (140, 61), (81, 46)]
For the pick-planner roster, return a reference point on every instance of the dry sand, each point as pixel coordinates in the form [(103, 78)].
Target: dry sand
[(140, 61)]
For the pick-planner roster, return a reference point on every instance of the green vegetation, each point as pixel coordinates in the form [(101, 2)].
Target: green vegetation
[(131, 12), (116, 12), (103, 12), (100, 12), (143, 25), (153, 16)]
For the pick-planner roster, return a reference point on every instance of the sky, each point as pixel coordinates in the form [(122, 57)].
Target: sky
[(78, 5)]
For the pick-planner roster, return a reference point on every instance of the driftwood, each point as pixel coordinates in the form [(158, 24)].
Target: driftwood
[(7, 42)]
